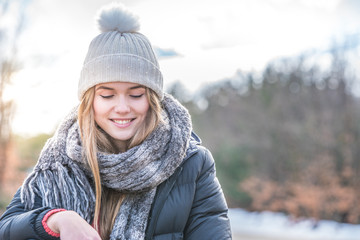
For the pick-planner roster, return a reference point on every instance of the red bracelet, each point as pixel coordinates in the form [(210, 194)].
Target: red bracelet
[(46, 217)]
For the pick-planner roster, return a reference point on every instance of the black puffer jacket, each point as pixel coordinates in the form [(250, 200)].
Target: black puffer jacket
[(189, 205)]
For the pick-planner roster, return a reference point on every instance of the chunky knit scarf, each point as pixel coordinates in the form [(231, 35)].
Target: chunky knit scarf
[(63, 180)]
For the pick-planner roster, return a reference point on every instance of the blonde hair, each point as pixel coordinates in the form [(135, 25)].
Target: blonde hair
[(95, 139)]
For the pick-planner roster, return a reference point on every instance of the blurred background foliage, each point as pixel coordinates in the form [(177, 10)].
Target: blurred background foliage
[(286, 139)]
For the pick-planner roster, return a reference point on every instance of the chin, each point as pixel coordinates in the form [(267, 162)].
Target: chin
[(122, 138)]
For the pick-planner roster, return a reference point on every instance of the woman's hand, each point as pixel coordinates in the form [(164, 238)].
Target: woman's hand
[(71, 226)]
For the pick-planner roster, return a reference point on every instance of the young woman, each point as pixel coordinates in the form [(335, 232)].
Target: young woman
[(124, 164)]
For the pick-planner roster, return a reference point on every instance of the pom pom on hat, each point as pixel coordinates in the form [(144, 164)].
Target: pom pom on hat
[(115, 17), (120, 53)]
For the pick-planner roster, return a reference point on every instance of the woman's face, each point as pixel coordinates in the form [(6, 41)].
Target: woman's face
[(120, 108)]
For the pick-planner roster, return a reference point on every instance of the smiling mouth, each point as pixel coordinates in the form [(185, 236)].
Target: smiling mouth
[(122, 122)]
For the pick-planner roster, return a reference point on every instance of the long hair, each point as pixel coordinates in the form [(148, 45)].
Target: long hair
[(94, 139)]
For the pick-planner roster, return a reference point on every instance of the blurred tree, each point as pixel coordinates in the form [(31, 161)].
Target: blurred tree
[(179, 91), (28, 149), (287, 139), (11, 24)]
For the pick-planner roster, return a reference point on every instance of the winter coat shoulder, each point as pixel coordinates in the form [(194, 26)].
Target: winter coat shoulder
[(188, 205)]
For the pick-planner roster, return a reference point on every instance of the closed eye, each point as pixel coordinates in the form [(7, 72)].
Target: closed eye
[(137, 96), (106, 96)]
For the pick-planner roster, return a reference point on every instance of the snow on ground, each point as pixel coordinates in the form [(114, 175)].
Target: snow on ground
[(270, 226)]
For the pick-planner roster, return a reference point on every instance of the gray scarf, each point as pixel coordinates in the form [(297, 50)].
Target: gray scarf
[(63, 180)]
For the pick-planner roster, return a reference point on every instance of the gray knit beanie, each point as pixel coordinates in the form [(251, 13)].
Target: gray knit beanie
[(120, 53)]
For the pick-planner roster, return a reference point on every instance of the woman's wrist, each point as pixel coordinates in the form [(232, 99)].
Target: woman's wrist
[(49, 225)]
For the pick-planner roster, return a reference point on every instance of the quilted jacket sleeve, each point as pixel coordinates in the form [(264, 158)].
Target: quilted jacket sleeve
[(19, 224), (208, 217)]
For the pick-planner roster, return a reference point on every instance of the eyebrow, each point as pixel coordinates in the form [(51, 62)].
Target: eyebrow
[(137, 86), (109, 88), (103, 87)]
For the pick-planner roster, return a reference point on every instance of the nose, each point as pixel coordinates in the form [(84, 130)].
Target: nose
[(122, 106)]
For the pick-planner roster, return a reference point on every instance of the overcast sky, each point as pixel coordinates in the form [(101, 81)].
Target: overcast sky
[(207, 40)]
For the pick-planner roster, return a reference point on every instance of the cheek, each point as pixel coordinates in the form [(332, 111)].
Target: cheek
[(99, 108), (96, 108), (144, 108)]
